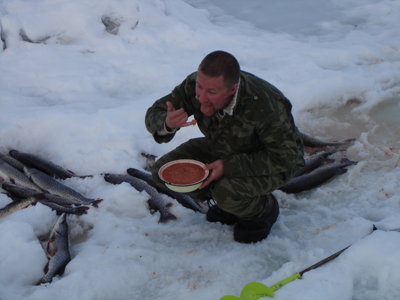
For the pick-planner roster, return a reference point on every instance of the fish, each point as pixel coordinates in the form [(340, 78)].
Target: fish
[(11, 174), (67, 201), (79, 210), (59, 204), (183, 199), (41, 164), (316, 177), (13, 162), (22, 193), (57, 250), (52, 186), (310, 141), (140, 185), (1, 186), (315, 161), (3, 191), (18, 205), (18, 191)]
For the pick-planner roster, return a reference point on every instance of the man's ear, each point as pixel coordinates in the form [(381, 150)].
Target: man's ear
[(234, 89)]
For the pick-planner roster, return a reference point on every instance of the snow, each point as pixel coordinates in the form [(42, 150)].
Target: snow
[(79, 100)]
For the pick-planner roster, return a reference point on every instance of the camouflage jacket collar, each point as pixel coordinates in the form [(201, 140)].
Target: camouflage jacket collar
[(229, 109)]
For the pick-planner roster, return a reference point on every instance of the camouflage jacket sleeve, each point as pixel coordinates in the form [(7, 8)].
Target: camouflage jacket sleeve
[(179, 97)]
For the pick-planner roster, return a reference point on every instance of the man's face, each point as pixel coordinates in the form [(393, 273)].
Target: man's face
[(212, 93)]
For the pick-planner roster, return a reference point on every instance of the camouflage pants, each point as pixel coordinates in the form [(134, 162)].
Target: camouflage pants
[(243, 197)]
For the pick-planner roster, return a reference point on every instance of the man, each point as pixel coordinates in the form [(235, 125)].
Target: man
[(251, 144)]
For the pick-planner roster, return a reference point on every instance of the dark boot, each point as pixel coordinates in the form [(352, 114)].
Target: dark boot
[(216, 214), (257, 229)]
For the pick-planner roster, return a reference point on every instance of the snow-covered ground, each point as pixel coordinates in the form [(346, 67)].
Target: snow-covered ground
[(79, 100)]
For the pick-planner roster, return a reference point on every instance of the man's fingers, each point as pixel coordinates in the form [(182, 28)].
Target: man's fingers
[(210, 166), (181, 117), (170, 107), (176, 118), (206, 182)]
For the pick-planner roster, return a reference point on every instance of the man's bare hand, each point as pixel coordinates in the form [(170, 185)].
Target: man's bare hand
[(176, 118), (217, 171)]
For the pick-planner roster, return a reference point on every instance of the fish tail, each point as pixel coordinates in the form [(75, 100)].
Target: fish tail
[(85, 176), (73, 173), (349, 140), (96, 202), (328, 160), (81, 210), (339, 171), (166, 217), (348, 161)]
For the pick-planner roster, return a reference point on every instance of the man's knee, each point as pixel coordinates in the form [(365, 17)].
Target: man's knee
[(246, 208)]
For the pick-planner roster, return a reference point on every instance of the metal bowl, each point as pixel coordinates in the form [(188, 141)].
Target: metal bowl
[(187, 187)]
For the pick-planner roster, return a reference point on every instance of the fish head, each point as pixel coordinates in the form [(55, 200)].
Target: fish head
[(13, 152)]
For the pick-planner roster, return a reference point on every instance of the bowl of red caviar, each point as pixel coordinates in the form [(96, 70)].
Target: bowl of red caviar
[(183, 175)]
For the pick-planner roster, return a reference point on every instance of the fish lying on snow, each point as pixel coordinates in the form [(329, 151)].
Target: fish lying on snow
[(65, 201), (1, 188), (41, 164), (79, 210), (18, 191), (18, 205), (315, 161), (52, 186), (13, 162), (11, 174), (310, 141), (183, 199), (57, 250), (140, 185), (316, 177), (59, 204), (22, 192)]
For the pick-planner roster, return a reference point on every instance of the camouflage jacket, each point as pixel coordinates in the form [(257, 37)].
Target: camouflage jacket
[(260, 137)]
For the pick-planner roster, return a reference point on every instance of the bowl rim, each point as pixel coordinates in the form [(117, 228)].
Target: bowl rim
[(177, 161)]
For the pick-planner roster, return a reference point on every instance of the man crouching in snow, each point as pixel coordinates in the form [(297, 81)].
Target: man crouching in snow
[(251, 144)]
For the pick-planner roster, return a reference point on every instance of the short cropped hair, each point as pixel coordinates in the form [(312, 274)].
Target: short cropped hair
[(219, 63)]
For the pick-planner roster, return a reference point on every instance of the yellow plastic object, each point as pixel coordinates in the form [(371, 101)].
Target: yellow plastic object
[(256, 290)]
